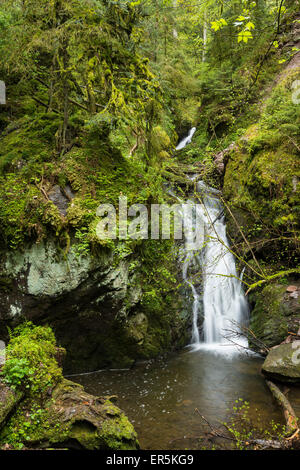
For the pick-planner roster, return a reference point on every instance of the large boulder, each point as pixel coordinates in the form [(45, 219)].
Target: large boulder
[(70, 419), (283, 362), (39, 408)]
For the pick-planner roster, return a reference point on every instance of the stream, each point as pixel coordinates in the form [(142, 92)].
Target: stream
[(165, 398)]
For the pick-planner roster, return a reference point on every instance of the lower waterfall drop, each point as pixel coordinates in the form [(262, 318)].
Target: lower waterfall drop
[(224, 303), (219, 292)]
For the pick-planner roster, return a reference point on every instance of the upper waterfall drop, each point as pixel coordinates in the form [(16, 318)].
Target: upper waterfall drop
[(187, 139), (220, 292)]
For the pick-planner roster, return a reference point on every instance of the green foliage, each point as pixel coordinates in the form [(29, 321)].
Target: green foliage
[(17, 371), (243, 428), (262, 174), (31, 365), (28, 425)]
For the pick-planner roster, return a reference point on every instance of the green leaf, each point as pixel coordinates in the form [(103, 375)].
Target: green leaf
[(250, 25), (244, 36), (216, 25)]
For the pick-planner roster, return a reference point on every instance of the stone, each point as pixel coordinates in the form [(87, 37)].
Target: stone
[(9, 399), (275, 314), (72, 419), (291, 289), (221, 158), (61, 198), (283, 362)]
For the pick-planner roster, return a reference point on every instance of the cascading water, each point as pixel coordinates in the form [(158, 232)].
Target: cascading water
[(219, 291), (225, 306), (186, 140)]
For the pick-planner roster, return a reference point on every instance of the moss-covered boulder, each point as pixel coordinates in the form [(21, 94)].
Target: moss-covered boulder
[(276, 313), (41, 409), (9, 399), (283, 362), (70, 419)]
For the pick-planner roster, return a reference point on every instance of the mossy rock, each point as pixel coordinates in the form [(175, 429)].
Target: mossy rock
[(70, 419), (262, 177), (9, 399), (283, 363)]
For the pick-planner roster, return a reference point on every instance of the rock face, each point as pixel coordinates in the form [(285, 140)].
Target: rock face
[(93, 303), (283, 362), (261, 187), (221, 158), (276, 313), (72, 419)]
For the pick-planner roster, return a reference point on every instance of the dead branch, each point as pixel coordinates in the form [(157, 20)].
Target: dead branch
[(42, 191), (44, 104), (214, 431), (243, 330)]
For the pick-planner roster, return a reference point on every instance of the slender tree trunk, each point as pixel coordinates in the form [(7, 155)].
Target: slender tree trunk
[(204, 37)]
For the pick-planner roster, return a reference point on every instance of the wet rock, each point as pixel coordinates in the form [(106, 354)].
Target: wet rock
[(85, 299), (283, 362), (137, 328), (221, 158)]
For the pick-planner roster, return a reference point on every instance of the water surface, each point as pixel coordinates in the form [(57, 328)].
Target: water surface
[(160, 398)]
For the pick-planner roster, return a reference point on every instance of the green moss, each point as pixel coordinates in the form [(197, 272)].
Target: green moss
[(32, 141), (97, 173), (262, 176), (118, 433), (33, 425), (9, 399), (85, 434), (50, 411), (273, 316)]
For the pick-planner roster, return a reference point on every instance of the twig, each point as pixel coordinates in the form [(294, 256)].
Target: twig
[(244, 238)]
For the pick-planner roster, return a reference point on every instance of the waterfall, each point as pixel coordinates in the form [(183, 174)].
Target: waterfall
[(218, 294), (186, 140)]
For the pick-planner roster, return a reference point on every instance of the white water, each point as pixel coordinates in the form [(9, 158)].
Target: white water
[(219, 289)]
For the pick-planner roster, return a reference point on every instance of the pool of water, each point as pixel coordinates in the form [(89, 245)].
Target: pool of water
[(161, 398)]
